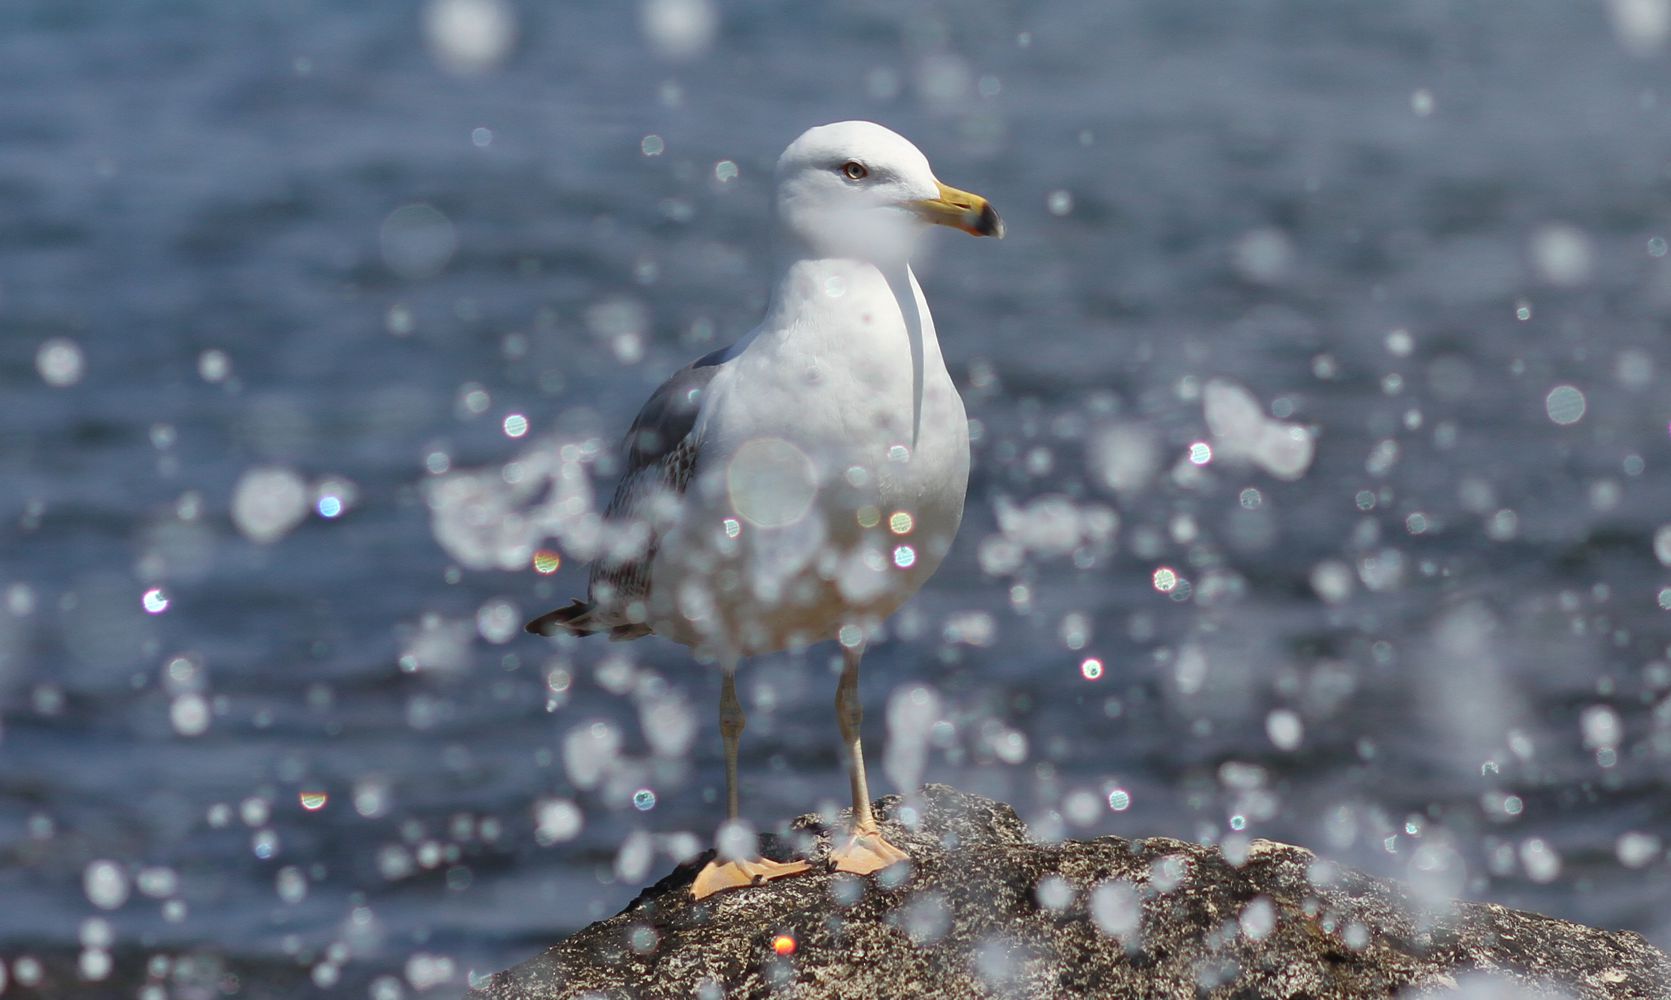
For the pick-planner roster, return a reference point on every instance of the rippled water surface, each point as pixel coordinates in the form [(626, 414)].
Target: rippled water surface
[(1322, 481)]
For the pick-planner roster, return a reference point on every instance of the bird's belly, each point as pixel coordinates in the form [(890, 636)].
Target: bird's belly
[(794, 530)]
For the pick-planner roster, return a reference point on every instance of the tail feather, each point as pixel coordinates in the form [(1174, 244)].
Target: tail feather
[(576, 619), (581, 618)]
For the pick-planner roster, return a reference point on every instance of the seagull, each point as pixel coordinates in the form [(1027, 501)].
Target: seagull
[(799, 485)]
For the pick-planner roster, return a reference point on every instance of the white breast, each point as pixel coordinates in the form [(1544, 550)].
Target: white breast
[(794, 528)]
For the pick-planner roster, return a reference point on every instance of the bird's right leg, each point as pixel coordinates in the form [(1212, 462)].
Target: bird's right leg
[(720, 873)]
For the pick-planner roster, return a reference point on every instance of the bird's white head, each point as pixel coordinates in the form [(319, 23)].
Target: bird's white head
[(856, 189)]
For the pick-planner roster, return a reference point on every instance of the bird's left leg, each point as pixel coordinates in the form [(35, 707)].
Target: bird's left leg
[(865, 849), (721, 874)]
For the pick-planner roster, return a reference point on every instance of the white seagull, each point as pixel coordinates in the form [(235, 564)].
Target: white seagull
[(800, 484)]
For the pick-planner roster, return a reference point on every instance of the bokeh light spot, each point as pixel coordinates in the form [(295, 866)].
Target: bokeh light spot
[(1565, 405)]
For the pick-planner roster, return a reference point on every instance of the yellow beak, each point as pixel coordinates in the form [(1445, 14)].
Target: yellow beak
[(961, 210)]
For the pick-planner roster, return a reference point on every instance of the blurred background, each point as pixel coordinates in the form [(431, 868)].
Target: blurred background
[(1320, 482)]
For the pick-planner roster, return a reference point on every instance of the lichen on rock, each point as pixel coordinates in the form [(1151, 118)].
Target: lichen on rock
[(981, 911)]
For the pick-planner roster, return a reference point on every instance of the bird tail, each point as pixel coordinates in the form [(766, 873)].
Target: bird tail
[(576, 619), (582, 618)]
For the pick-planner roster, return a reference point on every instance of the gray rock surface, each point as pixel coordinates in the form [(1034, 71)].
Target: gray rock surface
[(984, 912)]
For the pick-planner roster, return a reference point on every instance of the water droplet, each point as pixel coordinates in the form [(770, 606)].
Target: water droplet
[(1054, 893), (267, 503), (516, 425), (678, 29), (418, 239), (291, 884), (1258, 919), (1091, 668), (1263, 256), (213, 366), (737, 840), (498, 622), (427, 972), (59, 362), (632, 861), (1562, 255), (556, 820), (1117, 910), (106, 884), (1200, 453), (94, 964), (1565, 405), (189, 714), (1637, 850), (644, 800), (904, 556), (155, 601), (1601, 727), (1119, 800), (653, 145), (1542, 863), (470, 36), (1284, 728)]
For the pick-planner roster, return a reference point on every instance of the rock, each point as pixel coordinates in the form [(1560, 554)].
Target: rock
[(984, 912)]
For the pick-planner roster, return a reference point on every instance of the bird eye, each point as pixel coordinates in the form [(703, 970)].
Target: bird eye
[(854, 170)]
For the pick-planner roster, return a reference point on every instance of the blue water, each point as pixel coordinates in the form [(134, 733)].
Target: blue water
[(1439, 653)]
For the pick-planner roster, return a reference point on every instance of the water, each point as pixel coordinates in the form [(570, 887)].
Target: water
[(287, 734)]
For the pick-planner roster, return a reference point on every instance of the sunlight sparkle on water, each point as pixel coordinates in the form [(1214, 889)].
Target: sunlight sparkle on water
[(1200, 453), (1091, 669), (904, 556), (155, 601), (1119, 800), (546, 561), (644, 800), (313, 801), (1165, 580)]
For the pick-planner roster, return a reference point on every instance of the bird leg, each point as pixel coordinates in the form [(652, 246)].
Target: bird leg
[(865, 850), (719, 874)]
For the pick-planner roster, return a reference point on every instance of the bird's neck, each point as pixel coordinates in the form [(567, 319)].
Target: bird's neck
[(840, 293), (868, 312)]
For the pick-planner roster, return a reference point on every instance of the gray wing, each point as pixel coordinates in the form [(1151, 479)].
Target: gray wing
[(661, 451)]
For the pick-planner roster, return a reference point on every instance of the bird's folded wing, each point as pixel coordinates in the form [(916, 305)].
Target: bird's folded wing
[(661, 451)]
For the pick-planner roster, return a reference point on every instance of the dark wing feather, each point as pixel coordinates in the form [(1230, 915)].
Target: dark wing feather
[(661, 450)]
